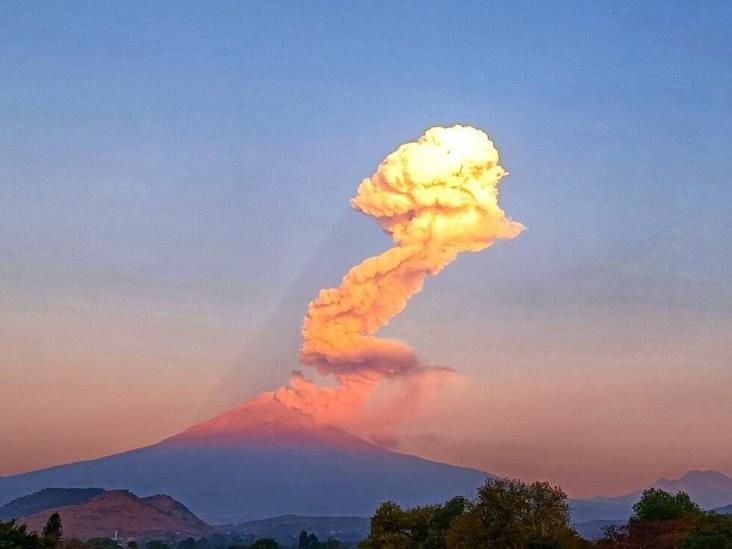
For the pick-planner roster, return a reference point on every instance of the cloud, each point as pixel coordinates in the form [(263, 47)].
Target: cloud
[(435, 197)]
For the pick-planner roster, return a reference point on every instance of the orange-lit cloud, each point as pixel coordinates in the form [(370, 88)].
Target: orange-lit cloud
[(436, 197), (328, 404)]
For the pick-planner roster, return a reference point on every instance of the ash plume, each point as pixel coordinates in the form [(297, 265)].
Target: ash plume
[(435, 197)]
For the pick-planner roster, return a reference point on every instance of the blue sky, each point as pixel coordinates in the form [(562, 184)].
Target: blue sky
[(174, 185)]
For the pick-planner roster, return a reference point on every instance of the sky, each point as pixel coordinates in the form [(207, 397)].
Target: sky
[(174, 189)]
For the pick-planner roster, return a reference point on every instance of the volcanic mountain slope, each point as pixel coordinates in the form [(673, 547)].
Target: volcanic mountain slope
[(262, 460), (122, 512)]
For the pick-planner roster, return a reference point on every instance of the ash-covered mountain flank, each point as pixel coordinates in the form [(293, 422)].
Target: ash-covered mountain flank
[(260, 460)]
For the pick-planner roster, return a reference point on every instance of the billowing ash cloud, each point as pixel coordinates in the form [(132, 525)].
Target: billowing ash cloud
[(435, 197)]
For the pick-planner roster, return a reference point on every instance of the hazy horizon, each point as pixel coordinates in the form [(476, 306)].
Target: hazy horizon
[(175, 190)]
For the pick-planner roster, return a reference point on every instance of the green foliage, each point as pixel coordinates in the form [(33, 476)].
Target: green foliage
[(53, 532), (712, 531), (507, 514), (388, 528), (264, 543), (308, 541), (16, 536), (663, 534), (215, 541), (311, 541), (102, 543), (441, 520), (156, 544), (511, 514), (94, 543), (663, 521), (657, 505), (420, 527), (75, 543)]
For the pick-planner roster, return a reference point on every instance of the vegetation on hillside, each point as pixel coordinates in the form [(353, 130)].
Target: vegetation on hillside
[(505, 514), (510, 514), (17, 536), (664, 521)]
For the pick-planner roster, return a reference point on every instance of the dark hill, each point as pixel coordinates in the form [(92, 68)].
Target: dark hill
[(47, 499), (125, 514)]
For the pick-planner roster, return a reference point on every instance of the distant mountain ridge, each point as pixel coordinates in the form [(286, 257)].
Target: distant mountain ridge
[(47, 499), (118, 512), (286, 529), (94, 512), (710, 489), (262, 460)]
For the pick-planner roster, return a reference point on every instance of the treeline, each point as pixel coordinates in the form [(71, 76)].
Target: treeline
[(16, 536), (510, 514), (664, 521), (505, 514), (222, 541)]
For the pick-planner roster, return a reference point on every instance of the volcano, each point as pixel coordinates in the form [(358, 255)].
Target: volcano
[(260, 460)]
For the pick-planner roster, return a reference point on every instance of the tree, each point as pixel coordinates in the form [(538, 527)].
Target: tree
[(660, 521), (507, 514), (389, 529), (102, 543), (53, 531), (157, 544), (419, 527), (662, 534), (308, 541), (656, 505), (265, 543), (441, 520), (16, 536), (712, 531), (75, 543), (511, 514)]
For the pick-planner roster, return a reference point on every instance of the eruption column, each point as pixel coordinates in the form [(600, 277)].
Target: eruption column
[(435, 197)]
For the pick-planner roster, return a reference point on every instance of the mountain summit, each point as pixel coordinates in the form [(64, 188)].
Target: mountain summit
[(265, 421), (259, 460), (708, 488)]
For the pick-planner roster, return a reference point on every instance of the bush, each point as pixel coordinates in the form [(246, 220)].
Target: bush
[(656, 505), (512, 514)]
